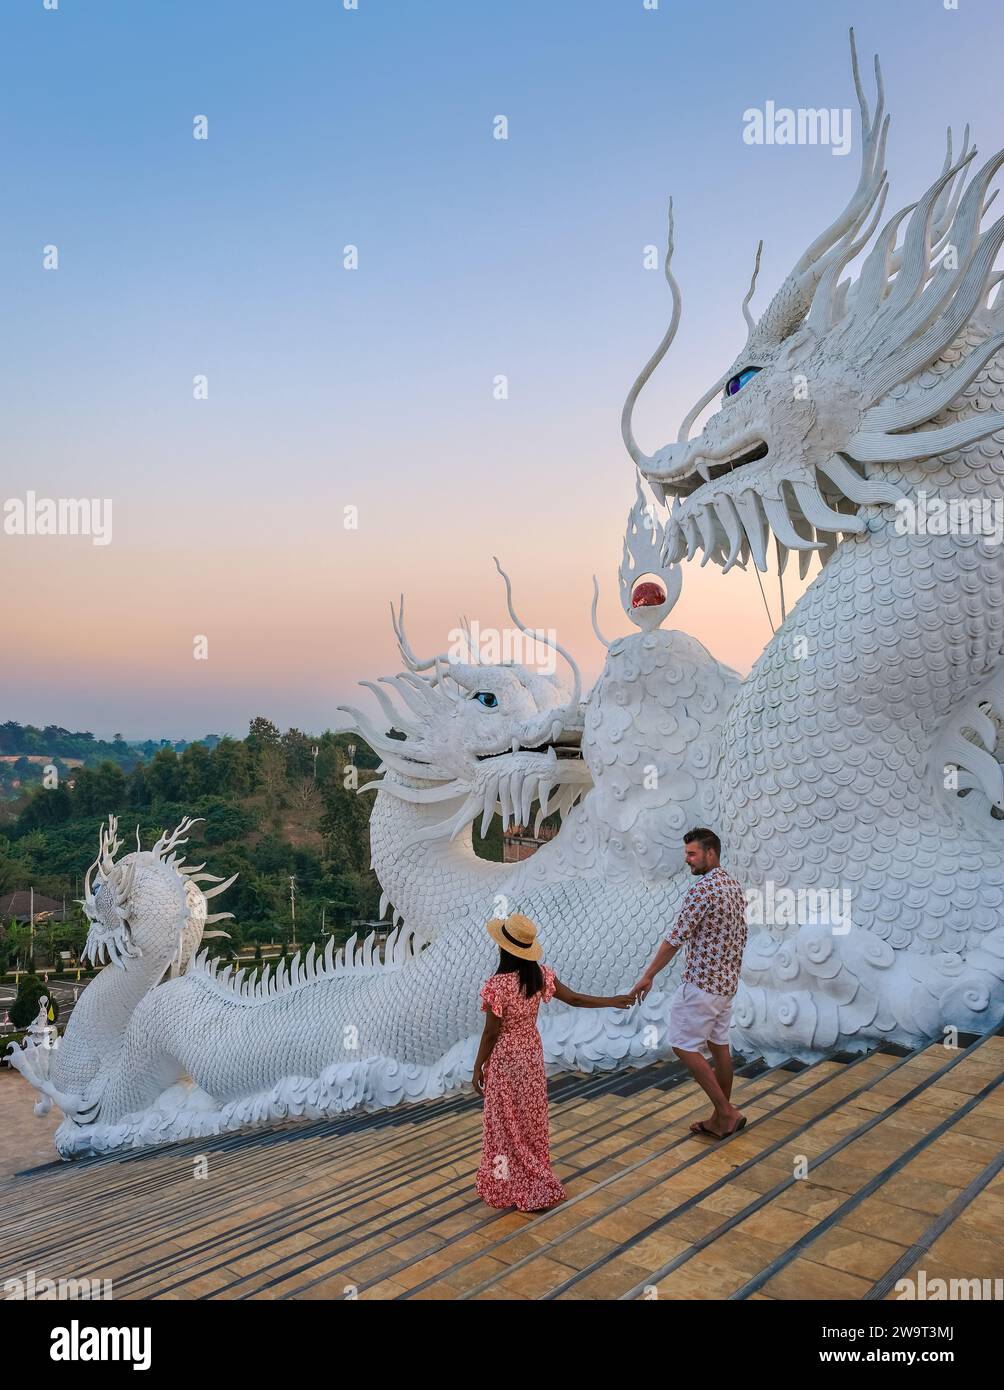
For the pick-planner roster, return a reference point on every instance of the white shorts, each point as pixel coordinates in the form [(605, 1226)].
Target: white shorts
[(697, 1017)]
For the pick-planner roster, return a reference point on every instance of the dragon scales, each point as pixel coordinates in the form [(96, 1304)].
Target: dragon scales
[(858, 758)]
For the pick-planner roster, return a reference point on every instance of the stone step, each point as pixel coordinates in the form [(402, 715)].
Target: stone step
[(461, 1223), (356, 1151), (851, 1174), (785, 1236), (589, 1230), (323, 1176)]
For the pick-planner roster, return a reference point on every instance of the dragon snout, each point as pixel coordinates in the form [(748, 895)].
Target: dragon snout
[(674, 470)]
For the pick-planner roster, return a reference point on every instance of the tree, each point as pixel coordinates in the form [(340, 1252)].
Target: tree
[(164, 778), (8, 946), (197, 770), (232, 765), (109, 787), (272, 772), (274, 856), (226, 822), (47, 807), (137, 791), (298, 750), (14, 941), (262, 734), (345, 825), (305, 795)]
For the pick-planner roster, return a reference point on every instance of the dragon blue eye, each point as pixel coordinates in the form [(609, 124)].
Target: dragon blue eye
[(738, 382), (486, 698)]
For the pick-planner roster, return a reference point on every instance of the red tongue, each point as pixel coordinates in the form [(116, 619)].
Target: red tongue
[(647, 595)]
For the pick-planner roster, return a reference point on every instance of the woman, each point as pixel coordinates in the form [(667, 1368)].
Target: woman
[(509, 1070)]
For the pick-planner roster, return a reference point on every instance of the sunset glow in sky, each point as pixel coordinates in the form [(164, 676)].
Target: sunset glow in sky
[(372, 388)]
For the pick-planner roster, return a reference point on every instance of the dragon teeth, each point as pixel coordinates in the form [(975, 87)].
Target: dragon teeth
[(675, 544), (491, 798), (782, 525), (755, 526), (527, 801), (729, 518), (706, 526), (815, 509)]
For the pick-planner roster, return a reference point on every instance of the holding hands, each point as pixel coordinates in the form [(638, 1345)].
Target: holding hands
[(640, 990), (661, 959)]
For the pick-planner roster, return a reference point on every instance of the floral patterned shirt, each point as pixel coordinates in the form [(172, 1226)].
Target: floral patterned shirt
[(712, 922)]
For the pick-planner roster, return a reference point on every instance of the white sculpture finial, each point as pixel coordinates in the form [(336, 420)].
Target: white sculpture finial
[(646, 605)]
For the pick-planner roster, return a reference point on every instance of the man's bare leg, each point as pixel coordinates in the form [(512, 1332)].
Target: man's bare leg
[(721, 1055), (726, 1116)]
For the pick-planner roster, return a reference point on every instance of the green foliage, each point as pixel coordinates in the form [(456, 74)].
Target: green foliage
[(52, 741), (9, 945), (226, 821), (59, 752), (270, 810), (261, 735)]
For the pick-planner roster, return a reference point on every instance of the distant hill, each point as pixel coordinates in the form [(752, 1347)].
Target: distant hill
[(25, 751), (54, 741)]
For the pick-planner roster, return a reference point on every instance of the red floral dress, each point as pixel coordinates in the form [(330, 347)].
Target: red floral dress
[(515, 1149)]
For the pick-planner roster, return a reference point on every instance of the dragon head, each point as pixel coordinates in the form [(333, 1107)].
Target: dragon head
[(495, 735), (147, 903), (833, 381), (147, 916)]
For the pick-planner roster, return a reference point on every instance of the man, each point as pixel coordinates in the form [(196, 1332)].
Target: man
[(712, 921)]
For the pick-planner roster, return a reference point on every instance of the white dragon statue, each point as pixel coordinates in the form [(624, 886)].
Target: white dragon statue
[(860, 757), (166, 1044), (862, 753)]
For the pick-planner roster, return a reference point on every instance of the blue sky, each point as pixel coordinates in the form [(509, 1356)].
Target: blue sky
[(373, 387)]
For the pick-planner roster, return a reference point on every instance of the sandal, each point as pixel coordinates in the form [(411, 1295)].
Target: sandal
[(702, 1128)]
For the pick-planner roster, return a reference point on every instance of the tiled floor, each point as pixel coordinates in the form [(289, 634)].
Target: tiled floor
[(848, 1172), (25, 1138)]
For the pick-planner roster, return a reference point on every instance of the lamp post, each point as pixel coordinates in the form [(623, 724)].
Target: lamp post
[(292, 904)]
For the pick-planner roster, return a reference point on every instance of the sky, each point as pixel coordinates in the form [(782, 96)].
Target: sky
[(373, 388)]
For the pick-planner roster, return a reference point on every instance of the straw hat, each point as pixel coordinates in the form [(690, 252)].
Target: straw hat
[(517, 935)]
